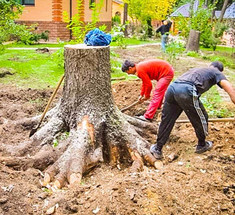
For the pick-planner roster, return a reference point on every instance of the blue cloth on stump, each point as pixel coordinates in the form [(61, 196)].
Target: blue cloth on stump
[(97, 37)]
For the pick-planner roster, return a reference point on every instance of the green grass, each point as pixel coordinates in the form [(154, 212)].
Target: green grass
[(43, 45), (31, 69), (128, 41), (222, 54), (39, 71), (220, 49), (214, 104), (133, 41)]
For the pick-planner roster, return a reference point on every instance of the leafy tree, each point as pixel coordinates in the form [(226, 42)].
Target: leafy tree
[(142, 10), (9, 11), (146, 10)]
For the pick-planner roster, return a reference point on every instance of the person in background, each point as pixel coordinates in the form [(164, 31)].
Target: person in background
[(148, 70), (164, 30), (184, 95)]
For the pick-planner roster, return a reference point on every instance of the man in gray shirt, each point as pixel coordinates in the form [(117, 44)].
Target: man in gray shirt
[(183, 95)]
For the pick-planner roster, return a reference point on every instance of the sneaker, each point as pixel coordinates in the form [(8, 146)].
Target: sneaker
[(156, 153), (207, 147), (144, 119)]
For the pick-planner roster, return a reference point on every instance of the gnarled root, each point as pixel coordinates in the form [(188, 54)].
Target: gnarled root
[(139, 124), (133, 147), (80, 156)]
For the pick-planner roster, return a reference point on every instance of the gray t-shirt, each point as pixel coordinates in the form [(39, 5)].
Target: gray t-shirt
[(202, 78)]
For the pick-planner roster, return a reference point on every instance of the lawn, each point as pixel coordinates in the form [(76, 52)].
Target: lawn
[(31, 69)]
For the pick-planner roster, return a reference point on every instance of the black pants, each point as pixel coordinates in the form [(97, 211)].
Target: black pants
[(182, 97)]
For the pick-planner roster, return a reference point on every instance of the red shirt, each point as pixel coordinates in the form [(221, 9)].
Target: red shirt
[(152, 70)]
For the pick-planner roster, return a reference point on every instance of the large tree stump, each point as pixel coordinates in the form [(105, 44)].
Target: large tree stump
[(87, 124), (193, 41)]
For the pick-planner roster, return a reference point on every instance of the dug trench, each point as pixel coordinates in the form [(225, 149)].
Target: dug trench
[(186, 184)]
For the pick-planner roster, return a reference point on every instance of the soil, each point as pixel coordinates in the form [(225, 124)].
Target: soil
[(187, 183)]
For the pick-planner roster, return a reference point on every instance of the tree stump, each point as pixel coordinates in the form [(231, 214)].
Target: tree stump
[(193, 41), (86, 123)]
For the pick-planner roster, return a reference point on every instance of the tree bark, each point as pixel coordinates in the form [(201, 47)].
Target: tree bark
[(86, 123), (223, 10), (193, 41), (125, 14)]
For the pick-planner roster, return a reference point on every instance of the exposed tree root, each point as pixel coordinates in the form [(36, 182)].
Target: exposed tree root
[(142, 124)]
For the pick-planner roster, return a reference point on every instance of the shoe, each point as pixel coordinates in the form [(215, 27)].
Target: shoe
[(156, 153), (143, 118), (207, 147)]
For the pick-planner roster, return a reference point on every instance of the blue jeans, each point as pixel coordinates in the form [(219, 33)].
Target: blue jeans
[(164, 41)]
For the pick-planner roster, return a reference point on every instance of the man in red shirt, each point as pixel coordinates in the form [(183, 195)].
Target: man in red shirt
[(148, 70)]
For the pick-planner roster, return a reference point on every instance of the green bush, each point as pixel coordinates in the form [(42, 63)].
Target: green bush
[(28, 37), (116, 20), (174, 48), (118, 35)]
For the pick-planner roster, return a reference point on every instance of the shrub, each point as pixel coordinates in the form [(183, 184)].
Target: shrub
[(174, 48), (118, 35)]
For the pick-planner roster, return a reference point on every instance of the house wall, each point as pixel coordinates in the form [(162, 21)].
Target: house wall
[(49, 16), (38, 12), (106, 11), (117, 8)]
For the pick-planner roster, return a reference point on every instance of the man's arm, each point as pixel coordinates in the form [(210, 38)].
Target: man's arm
[(146, 84), (159, 29), (227, 86)]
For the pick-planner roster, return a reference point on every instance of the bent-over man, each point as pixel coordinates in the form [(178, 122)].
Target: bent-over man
[(183, 95), (148, 70)]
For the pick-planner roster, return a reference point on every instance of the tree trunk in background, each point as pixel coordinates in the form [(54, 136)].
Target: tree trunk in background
[(223, 10), (125, 14), (213, 12), (193, 41), (150, 27)]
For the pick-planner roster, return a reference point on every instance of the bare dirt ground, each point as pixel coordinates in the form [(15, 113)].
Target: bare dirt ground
[(187, 184)]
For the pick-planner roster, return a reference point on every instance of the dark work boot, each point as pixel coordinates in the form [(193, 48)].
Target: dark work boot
[(156, 153), (200, 149)]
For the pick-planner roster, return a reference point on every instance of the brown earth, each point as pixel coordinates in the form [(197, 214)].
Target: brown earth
[(187, 184)]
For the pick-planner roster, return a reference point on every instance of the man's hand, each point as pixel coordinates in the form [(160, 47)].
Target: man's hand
[(141, 99)]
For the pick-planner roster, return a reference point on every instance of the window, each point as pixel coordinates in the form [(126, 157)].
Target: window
[(27, 2), (91, 4)]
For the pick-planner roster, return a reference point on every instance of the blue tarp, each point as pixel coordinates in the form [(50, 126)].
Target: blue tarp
[(97, 37)]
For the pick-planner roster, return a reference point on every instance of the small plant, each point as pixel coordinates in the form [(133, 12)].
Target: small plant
[(118, 35), (29, 37), (58, 57), (193, 54), (77, 26), (55, 143), (115, 64), (116, 20), (213, 103), (173, 49)]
